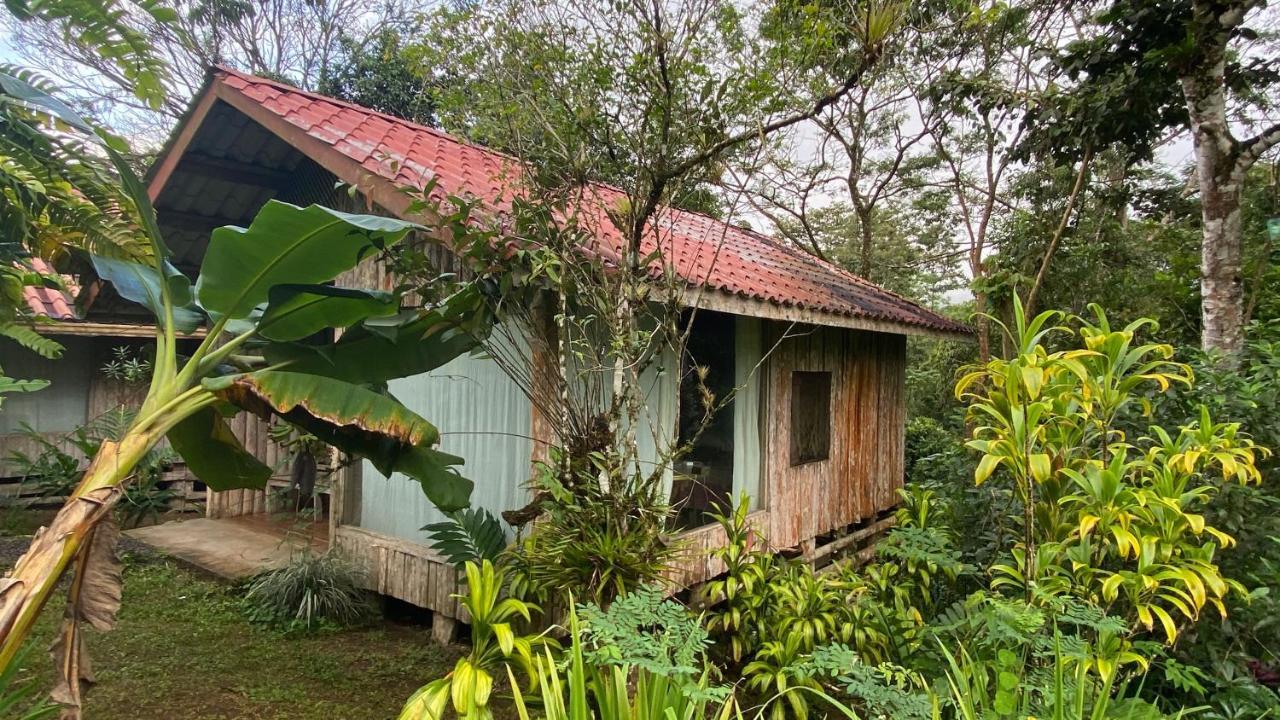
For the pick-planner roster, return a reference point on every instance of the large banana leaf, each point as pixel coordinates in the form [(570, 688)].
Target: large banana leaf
[(356, 420), (142, 284), (377, 351), (298, 311), (434, 470), (215, 454), (286, 244)]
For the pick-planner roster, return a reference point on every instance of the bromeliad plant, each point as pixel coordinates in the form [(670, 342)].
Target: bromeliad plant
[(261, 292), (1115, 522)]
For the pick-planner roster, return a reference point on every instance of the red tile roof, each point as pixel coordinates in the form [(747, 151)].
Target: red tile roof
[(701, 249), (47, 302)]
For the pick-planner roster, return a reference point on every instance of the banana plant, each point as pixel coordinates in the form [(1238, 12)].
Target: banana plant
[(262, 293)]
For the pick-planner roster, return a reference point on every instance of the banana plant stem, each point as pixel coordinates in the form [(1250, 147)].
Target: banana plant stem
[(27, 587)]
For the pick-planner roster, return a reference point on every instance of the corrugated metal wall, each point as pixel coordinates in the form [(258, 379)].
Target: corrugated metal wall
[(63, 405), (484, 417)]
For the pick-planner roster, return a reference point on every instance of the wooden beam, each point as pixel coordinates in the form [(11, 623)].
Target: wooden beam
[(185, 133), (234, 172), (852, 538), (709, 299), (99, 329), (179, 220)]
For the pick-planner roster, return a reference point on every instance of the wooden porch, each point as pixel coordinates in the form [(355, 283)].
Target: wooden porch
[(235, 547)]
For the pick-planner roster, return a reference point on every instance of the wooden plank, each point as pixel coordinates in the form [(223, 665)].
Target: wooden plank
[(849, 540), (719, 301), (112, 330), (859, 478), (402, 569)]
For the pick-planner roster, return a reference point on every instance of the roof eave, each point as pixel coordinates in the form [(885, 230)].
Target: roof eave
[(720, 301)]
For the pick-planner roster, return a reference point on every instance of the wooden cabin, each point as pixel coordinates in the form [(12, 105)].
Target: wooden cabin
[(814, 435)]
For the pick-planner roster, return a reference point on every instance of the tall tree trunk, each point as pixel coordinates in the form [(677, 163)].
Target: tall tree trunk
[(1222, 280), (868, 240), (1220, 179), (984, 326)]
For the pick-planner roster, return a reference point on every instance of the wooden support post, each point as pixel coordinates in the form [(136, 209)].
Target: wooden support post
[(443, 629), (806, 550)]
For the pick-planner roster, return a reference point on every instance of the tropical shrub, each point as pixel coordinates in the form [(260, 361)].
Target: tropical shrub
[(925, 438), (313, 591), (495, 645), (610, 687), (937, 461), (53, 471), (644, 630), (737, 600), (1104, 518), (772, 617), (1008, 686), (1230, 665), (127, 365), (883, 690), (145, 499), (779, 677)]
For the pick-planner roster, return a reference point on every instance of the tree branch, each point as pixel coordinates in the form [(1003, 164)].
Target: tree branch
[(1254, 148), (822, 103)]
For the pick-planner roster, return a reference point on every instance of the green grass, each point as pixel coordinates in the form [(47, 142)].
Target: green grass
[(183, 650)]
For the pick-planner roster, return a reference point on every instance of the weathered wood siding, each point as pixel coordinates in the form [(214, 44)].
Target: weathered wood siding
[(78, 392), (402, 569), (53, 411), (864, 468), (252, 432)]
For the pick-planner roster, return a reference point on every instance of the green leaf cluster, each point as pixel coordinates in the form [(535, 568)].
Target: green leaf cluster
[(496, 645), (1112, 520)]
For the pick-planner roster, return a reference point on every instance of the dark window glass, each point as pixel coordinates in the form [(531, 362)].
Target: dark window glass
[(704, 477), (810, 416)]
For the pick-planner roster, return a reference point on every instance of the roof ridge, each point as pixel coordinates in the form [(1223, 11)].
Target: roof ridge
[(359, 108), (798, 264)]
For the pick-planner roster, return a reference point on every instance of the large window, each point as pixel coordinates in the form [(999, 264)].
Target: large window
[(810, 416), (704, 477)]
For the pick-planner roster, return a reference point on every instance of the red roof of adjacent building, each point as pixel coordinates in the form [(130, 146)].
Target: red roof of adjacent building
[(47, 302), (703, 251)]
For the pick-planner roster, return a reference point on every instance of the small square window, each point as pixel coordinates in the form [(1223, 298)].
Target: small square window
[(810, 417)]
